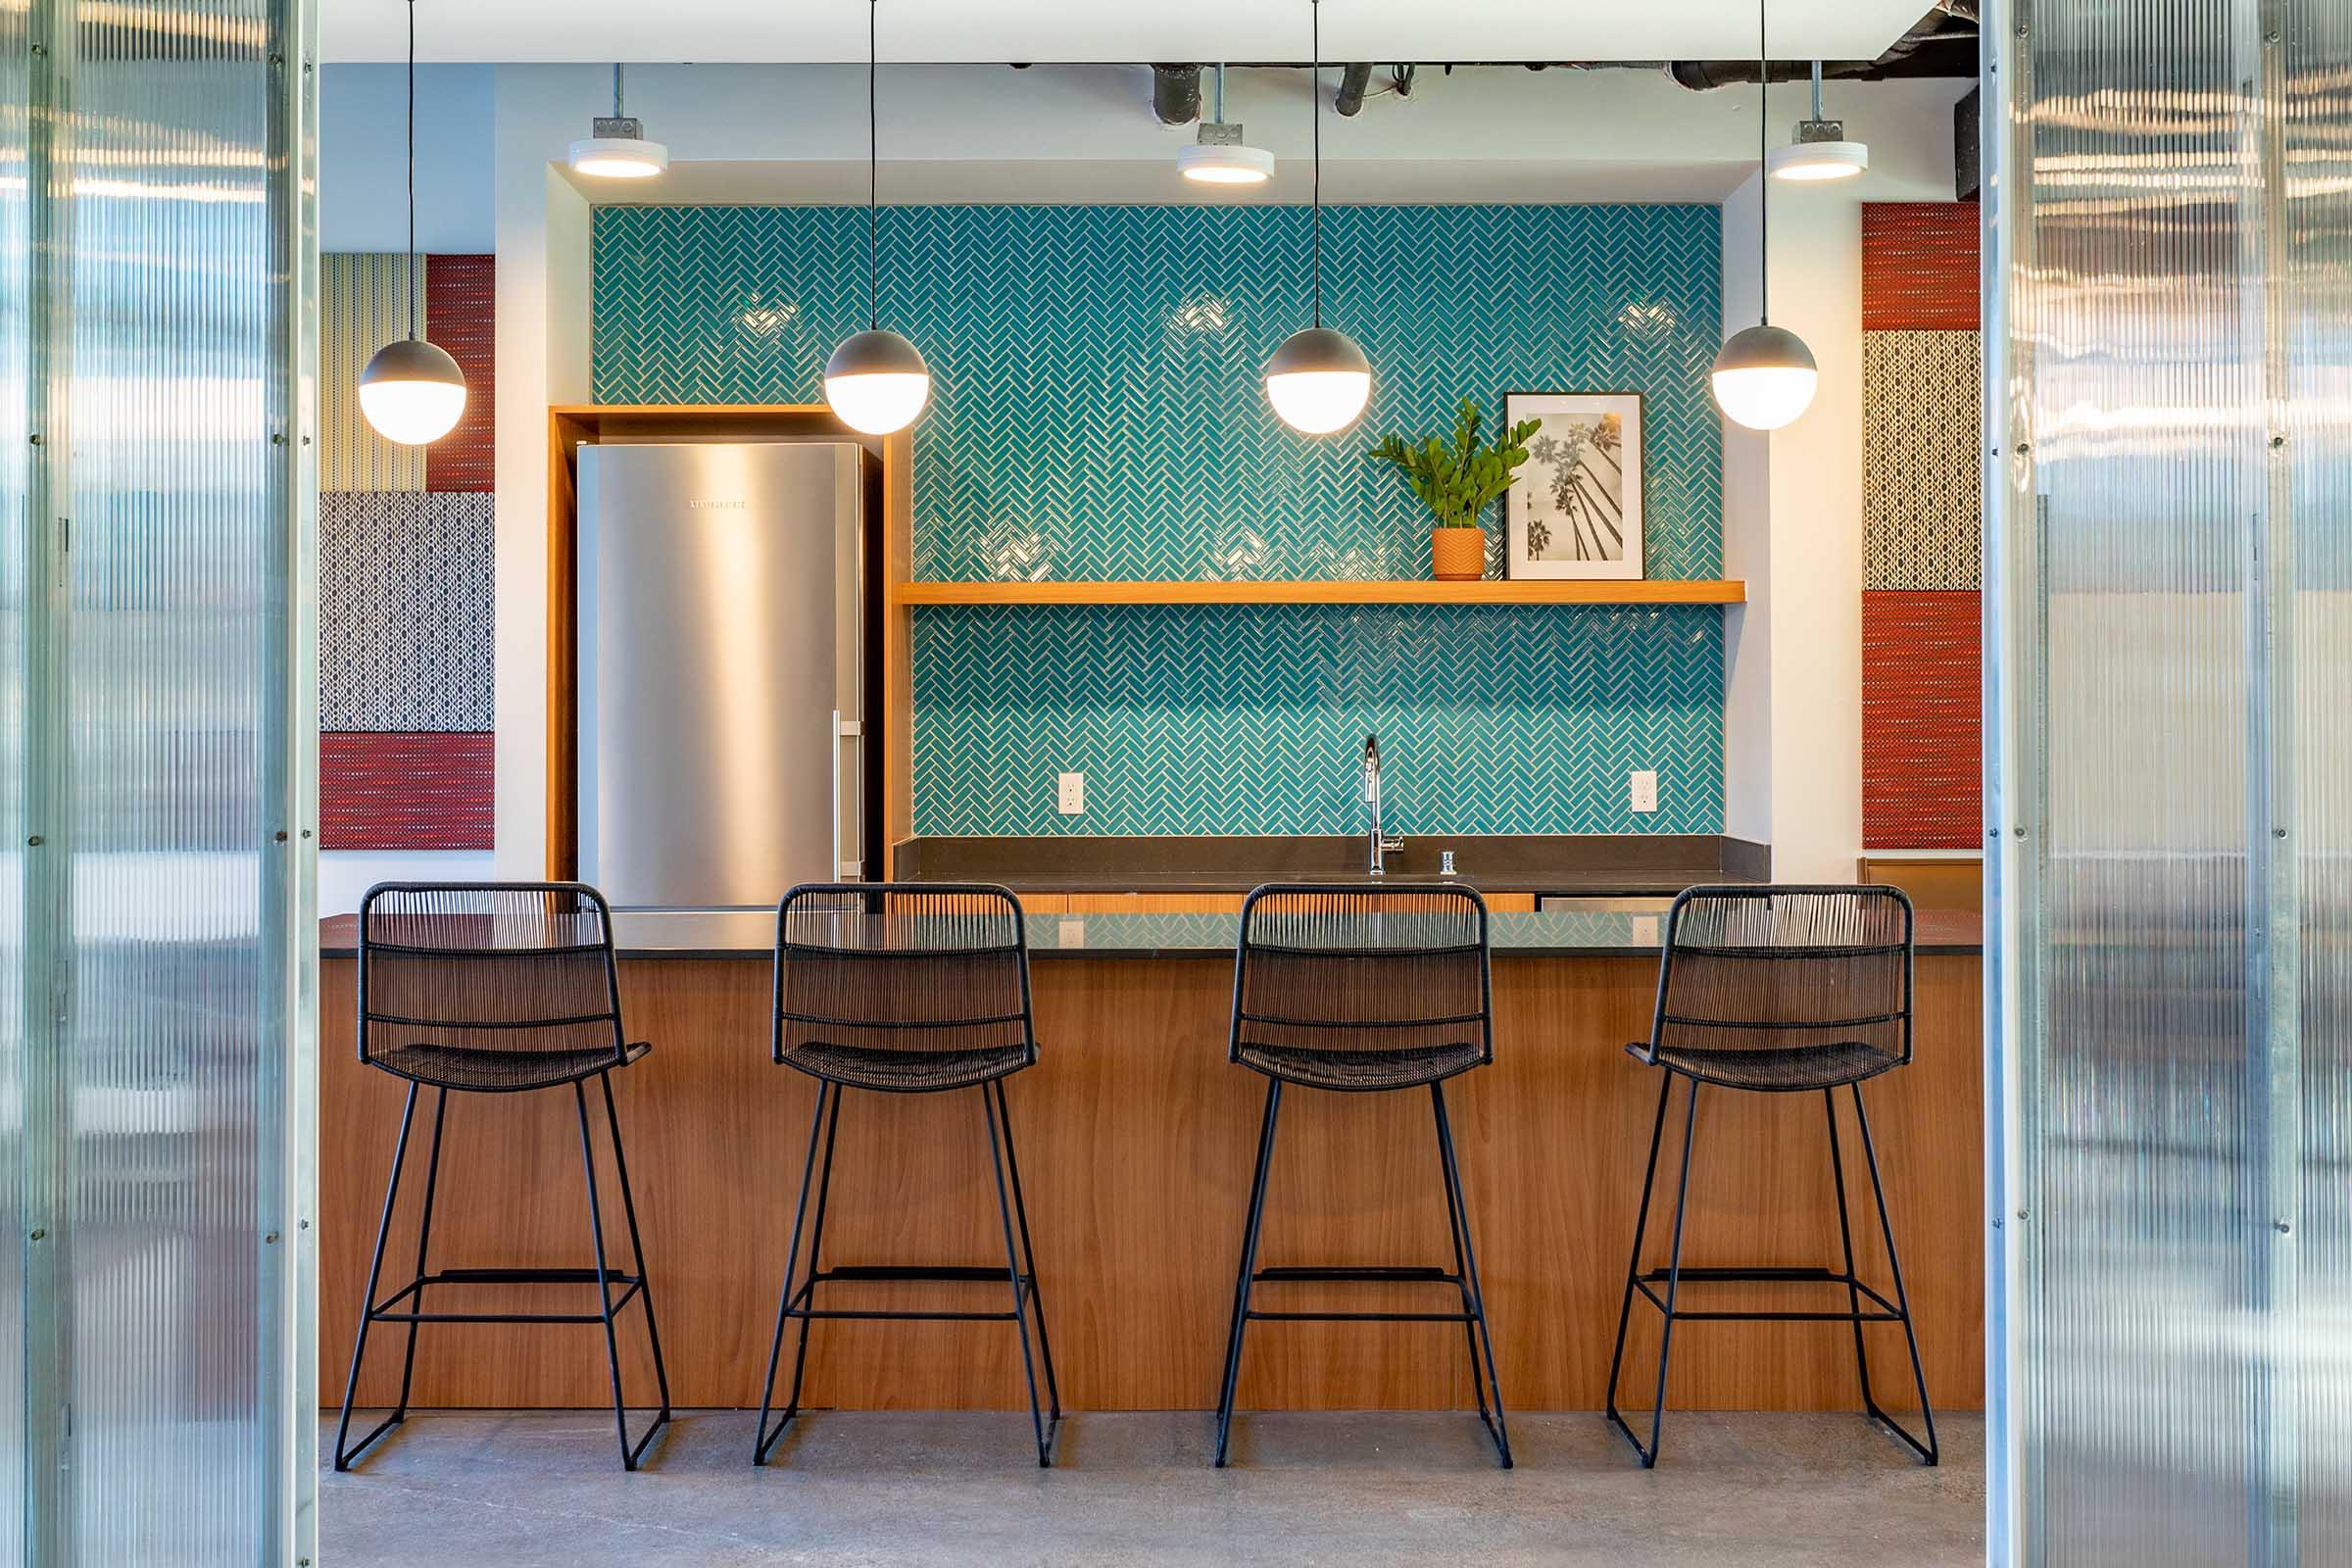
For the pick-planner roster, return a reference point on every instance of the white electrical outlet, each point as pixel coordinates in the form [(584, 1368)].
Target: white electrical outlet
[(1644, 792), (1073, 794)]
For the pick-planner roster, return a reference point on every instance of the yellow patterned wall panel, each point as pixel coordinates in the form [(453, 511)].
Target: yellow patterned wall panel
[(364, 303)]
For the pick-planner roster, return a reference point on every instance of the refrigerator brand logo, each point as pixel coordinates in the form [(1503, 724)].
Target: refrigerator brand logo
[(711, 506)]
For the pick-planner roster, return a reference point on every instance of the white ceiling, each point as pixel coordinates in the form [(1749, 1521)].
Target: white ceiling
[(999, 30)]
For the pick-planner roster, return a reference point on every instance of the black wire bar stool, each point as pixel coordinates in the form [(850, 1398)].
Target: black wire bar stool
[(906, 988), (496, 988), (1778, 990), (1355, 987)]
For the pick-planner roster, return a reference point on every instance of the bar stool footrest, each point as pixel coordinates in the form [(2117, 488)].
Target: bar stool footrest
[(1765, 1275), (803, 1301), (631, 1286), (997, 1275), (1406, 1274)]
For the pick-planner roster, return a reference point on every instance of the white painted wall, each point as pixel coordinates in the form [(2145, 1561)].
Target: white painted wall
[(362, 206), (1792, 502), (1793, 727), (363, 159)]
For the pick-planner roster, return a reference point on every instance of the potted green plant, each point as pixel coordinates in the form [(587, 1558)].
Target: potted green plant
[(1457, 482)]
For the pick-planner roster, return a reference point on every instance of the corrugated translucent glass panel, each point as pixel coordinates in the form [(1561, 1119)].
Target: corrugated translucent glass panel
[(2177, 225), (2315, 227), (15, 257), (148, 278)]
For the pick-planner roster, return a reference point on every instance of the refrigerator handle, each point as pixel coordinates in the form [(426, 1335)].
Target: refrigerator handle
[(844, 870)]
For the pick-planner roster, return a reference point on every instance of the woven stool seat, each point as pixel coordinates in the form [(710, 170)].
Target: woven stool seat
[(1774, 1068), (904, 1071), (1410, 1068)]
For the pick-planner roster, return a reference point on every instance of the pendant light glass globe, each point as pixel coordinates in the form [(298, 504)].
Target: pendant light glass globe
[(1764, 377), (1319, 380), (877, 383), (411, 392)]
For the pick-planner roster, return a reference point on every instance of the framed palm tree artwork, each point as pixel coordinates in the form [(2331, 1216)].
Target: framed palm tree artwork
[(1574, 510)]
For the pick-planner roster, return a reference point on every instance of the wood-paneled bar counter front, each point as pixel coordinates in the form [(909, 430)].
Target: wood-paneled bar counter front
[(1136, 1140)]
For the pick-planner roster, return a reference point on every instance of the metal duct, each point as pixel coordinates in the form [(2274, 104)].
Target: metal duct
[(1355, 78), (1176, 94)]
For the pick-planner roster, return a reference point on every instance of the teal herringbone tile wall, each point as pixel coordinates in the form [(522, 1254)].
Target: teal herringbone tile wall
[(1096, 411), (1251, 718), (1097, 414)]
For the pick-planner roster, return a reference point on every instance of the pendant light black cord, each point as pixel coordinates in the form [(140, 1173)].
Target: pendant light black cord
[(616, 115), (1314, 81), (411, 278), (1763, 171), (873, 170)]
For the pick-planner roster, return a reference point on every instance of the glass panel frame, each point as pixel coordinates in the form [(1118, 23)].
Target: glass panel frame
[(2168, 634)]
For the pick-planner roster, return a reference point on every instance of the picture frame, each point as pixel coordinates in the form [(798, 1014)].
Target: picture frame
[(1575, 508)]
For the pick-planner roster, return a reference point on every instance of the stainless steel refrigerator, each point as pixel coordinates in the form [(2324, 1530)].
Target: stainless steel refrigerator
[(722, 650)]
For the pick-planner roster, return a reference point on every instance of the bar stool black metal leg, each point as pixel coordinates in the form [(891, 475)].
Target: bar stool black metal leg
[(1466, 1264), (1461, 1277), (1240, 1286), (1633, 1266), (997, 1140), (603, 1289), (1927, 1450), (344, 1452), (425, 1232), (1846, 1239), (1674, 1280), (645, 1280), (816, 1244), (1020, 1212), (763, 1440)]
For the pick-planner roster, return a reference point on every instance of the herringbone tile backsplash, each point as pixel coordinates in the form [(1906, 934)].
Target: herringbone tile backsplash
[(1097, 414), (1250, 719)]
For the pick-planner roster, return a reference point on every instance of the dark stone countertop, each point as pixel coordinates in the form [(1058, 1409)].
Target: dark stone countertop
[(1554, 934), (1592, 866)]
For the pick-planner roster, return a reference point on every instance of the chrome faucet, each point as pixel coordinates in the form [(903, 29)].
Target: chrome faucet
[(1382, 845)]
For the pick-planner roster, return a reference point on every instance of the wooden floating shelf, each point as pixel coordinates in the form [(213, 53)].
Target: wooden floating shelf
[(1319, 593)]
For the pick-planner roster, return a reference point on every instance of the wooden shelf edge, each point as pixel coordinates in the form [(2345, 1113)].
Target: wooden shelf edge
[(1706, 592)]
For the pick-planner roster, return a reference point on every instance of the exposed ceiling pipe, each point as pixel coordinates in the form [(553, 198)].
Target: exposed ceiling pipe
[(1943, 44), (1355, 78), (1176, 94)]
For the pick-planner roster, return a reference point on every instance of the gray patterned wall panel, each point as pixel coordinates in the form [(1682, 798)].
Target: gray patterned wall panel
[(406, 616)]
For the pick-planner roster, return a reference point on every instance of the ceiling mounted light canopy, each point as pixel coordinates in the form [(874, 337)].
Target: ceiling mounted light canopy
[(1219, 156), (876, 381), (412, 391), (1765, 376), (616, 147), (1821, 150), (1319, 380)]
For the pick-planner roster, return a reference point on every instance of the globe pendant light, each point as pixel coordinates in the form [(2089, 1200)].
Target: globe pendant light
[(876, 381), (1319, 380), (1821, 150), (411, 392), (616, 147), (1765, 376)]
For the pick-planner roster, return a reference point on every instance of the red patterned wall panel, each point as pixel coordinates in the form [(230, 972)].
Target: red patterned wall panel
[(460, 314), (405, 792), (1919, 266), (1921, 770)]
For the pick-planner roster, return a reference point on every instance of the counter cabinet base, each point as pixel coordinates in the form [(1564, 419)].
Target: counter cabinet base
[(1137, 1144)]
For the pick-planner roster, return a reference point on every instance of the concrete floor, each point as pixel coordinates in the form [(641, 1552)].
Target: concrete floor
[(852, 1490)]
